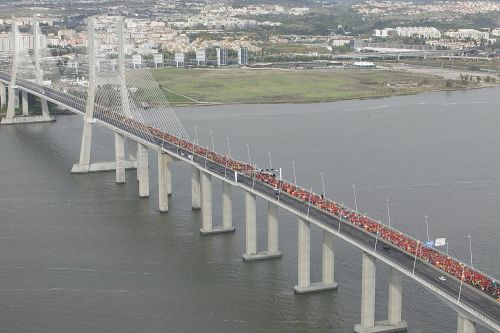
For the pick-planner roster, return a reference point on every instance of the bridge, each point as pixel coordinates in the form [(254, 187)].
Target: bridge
[(116, 95)]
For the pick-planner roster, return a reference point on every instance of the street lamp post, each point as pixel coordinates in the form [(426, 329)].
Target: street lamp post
[(376, 237), (355, 199), (323, 182), (253, 179), (270, 161), (388, 212), (212, 137), (461, 283), (196, 133), (470, 249), (415, 261), (340, 215), (309, 202), (294, 176), (427, 227), (206, 157), (228, 147), (248, 151)]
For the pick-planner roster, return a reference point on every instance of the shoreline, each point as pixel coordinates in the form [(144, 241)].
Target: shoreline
[(333, 101), (181, 105)]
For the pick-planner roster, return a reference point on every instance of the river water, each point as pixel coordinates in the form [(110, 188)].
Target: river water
[(79, 253)]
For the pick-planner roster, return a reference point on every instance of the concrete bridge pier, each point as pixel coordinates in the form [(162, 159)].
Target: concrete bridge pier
[(120, 158), (132, 150), (20, 99), (164, 180), (395, 303), (11, 104), (143, 170), (227, 206), (465, 325), (24, 96), (251, 230), (195, 188), (119, 164), (272, 230), (304, 285), (394, 322), (3, 95), (45, 111), (206, 207), (367, 295), (250, 225), (17, 98)]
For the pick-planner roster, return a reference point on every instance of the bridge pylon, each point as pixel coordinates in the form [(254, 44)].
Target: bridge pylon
[(14, 91), (84, 164)]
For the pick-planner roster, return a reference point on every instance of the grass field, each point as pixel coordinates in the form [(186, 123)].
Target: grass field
[(289, 86)]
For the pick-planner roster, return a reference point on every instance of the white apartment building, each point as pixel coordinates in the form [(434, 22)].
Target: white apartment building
[(467, 33), (425, 32), (24, 41)]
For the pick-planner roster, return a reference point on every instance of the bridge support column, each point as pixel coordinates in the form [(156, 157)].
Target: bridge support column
[(195, 188), (206, 205), (45, 111), (250, 226), (24, 95), (120, 158), (17, 98), (367, 295), (465, 325), (304, 285), (3, 95), (227, 207), (143, 170), (163, 180), (394, 322), (132, 153), (132, 150), (85, 166), (304, 256), (11, 105), (395, 303), (328, 262), (84, 163), (168, 176), (272, 234), (272, 230)]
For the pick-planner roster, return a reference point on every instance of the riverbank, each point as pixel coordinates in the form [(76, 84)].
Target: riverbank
[(229, 86)]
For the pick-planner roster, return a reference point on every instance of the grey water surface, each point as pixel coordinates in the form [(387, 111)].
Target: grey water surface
[(79, 253)]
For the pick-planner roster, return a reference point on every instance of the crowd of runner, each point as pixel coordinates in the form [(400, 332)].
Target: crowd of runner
[(418, 249)]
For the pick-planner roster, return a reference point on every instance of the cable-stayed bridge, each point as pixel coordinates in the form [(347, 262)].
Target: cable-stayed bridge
[(108, 91)]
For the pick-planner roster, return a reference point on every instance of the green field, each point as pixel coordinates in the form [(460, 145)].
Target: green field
[(289, 86)]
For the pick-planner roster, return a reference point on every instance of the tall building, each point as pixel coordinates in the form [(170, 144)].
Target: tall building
[(201, 57), (243, 56), (179, 59), (221, 57), (24, 42), (467, 33)]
